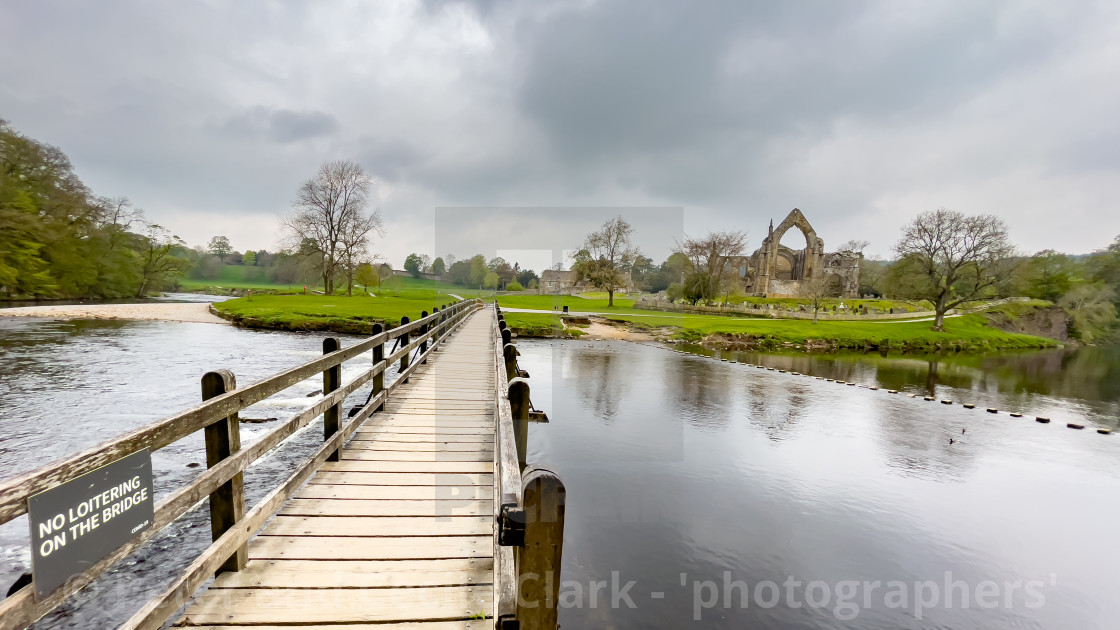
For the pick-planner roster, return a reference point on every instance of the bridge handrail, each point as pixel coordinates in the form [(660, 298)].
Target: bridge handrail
[(507, 484), (21, 608)]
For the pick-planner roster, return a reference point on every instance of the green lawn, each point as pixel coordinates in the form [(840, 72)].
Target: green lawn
[(336, 313), (967, 331), (574, 303)]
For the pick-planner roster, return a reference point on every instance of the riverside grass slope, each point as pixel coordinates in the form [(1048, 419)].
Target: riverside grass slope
[(357, 314)]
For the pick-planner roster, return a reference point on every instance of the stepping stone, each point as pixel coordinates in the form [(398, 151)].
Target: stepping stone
[(1042, 420), (946, 402), (992, 410), (1074, 425)]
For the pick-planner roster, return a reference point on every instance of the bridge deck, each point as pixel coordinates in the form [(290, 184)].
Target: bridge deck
[(399, 533)]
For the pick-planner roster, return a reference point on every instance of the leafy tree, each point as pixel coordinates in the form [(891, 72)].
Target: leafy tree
[(490, 280), (1092, 313), (366, 275), (952, 258), (413, 265), (478, 270), (220, 247), (526, 277), (506, 273), (611, 255), (514, 286), (249, 258), (460, 273), (1049, 275), (384, 272), (439, 267), (160, 266)]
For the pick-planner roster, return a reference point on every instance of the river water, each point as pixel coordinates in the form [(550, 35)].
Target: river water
[(737, 497), (733, 497)]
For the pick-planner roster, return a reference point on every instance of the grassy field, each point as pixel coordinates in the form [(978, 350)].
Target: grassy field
[(407, 297), (967, 332), (574, 303), (337, 313)]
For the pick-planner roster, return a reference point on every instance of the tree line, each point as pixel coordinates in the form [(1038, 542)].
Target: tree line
[(474, 272), (60, 240)]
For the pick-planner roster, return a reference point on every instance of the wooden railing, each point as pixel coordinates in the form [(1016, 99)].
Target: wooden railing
[(217, 416), (528, 504)]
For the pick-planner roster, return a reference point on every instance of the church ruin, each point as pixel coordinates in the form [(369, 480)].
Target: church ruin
[(775, 270)]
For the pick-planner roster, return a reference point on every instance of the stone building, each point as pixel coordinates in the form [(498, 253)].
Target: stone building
[(553, 281), (775, 270)]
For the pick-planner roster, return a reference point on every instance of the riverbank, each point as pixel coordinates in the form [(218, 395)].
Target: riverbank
[(967, 333), (198, 312), (335, 313)]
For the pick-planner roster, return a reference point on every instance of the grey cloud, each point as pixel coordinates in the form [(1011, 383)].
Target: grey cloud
[(280, 125), (859, 112)]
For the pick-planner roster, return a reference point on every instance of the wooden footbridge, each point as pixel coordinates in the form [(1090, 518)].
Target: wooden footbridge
[(418, 510)]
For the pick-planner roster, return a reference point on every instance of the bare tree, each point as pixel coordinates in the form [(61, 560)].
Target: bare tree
[(709, 258), (330, 221), (853, 246), (955, 258), (815, 290), (354, 242), (611, 255)]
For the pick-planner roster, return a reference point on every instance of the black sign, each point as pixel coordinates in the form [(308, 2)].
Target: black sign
[(85, 519)]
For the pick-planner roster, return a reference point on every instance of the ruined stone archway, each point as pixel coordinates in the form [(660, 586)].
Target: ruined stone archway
[(808, 261)]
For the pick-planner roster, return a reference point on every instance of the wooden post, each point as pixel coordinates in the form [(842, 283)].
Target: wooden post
[(519, 405), (436, 329), (501, 323), (424, 339), (404, 343), (509, 351), (223, 438), (332, 378), (507, 336), (539, 560), (378, 357)]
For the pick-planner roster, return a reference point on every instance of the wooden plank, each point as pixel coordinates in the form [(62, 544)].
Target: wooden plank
[(463, 624), (346, 507), (378, 526), (359, 573), (421, 446), (369, 547), (417, 456), (408, 467), (378, 431), (309, 606), (402, 479), (395, 493)]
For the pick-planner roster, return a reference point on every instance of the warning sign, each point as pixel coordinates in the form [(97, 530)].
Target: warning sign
[(85, 519)]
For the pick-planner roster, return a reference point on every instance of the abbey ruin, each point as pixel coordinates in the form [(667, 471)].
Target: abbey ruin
[(775, 270)]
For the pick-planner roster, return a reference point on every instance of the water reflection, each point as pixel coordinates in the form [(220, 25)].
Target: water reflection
[(1036, 381), (712, 469)]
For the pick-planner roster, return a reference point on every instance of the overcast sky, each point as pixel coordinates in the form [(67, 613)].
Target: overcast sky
[(209, 114)]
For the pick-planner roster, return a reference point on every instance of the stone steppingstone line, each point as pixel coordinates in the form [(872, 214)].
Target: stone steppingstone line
[(992, 410)]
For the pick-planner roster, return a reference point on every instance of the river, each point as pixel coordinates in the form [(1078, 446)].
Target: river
[(705, 482)]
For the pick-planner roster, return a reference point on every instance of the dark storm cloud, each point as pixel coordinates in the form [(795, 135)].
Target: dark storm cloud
[(706, 92)]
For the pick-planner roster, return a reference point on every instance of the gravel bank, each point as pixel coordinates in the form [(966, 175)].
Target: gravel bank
[(196, 312)]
